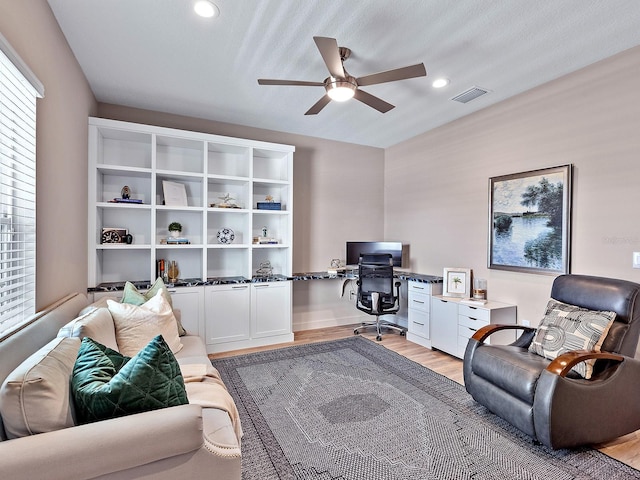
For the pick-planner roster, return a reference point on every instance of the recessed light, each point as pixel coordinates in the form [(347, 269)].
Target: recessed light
[(206, 9), (440, 82)]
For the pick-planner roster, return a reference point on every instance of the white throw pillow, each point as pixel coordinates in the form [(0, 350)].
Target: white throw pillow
[(136, 326), (35, 397)]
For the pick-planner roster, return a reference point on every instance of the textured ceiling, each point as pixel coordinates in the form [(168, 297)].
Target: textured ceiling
[(159, 55)]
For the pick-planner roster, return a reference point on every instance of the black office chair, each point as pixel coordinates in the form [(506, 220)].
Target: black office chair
[(376, 291)]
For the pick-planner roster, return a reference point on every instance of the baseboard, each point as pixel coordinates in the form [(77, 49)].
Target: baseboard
[(312, 324)]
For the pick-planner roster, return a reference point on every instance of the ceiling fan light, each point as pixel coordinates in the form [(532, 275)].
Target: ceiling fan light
[(339, 89), (206, 9)]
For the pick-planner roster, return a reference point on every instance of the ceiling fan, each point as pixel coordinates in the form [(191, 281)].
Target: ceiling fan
[(341, 86)]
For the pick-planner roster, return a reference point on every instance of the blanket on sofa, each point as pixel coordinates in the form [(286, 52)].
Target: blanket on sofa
[(205, 388)]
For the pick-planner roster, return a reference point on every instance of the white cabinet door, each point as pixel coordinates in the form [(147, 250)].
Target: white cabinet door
[(270, 309), (190, 302), (227, 313), (444, 325)]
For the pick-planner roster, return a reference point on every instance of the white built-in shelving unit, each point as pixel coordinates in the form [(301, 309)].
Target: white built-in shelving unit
[(209, 166)]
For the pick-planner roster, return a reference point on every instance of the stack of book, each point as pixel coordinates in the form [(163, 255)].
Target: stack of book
[(265, 241), (126, 200), (177, 241)]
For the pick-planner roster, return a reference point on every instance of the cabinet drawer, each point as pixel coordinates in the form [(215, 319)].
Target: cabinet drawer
[(419, 323), (474, 312), (465, 333), (417, 287), (471, 322), (419, 301)]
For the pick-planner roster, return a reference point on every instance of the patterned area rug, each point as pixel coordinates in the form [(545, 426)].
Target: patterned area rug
[(351, 409)]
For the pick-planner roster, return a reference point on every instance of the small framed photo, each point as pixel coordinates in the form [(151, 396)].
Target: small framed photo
[(456, 282), (175, 194)]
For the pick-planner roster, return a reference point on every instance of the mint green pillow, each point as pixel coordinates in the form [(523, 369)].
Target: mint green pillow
[(132, 296), (106, 384)]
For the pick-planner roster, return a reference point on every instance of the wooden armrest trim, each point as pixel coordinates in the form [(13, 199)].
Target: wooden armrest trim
[(565, 362), (487, 330)]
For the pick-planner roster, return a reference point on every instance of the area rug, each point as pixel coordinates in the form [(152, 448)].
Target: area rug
[(352, 409)]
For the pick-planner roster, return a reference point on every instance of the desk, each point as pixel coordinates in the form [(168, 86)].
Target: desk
[(415, 300)]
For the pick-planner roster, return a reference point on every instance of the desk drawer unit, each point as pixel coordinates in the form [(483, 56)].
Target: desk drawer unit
[(419, 306), (472, 318)]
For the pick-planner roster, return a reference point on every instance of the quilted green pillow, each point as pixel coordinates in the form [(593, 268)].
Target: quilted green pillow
[(106, 384), (132, 296)]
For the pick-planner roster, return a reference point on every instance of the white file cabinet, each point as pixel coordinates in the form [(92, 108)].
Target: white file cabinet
[(453, 323), (419, 311)]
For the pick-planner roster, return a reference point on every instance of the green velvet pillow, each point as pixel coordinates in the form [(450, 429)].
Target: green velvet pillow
[(106, 384), (132, 296)]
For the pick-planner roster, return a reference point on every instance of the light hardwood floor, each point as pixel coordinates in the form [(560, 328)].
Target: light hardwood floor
[(625, 449)]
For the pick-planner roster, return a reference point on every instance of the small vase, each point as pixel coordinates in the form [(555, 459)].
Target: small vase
[(173, 272), (174, 233)]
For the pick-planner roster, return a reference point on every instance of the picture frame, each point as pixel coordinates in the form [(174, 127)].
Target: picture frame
[(175, 194), (456, 282), (530, 221)]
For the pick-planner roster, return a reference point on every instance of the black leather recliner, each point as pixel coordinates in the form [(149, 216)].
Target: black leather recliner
[(544, 398)]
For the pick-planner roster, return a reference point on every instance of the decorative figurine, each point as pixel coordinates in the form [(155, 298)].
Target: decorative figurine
[(125, 192), (226, 200), (265, 269)]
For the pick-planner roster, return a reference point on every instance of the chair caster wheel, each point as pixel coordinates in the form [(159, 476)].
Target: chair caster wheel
[(356, 332), (379, 338), (403, 333)]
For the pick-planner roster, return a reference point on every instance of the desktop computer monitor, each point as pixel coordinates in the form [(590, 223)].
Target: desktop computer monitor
[(354, 249)]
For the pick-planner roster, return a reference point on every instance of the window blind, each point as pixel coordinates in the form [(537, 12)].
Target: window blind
[(17, 195)]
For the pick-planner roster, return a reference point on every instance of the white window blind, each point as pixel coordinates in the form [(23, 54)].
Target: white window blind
[(17, 194)]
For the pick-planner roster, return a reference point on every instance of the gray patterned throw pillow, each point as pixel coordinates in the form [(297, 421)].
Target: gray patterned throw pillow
[(566, 327)]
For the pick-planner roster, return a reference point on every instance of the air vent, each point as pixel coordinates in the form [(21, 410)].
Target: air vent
[(470, 94)]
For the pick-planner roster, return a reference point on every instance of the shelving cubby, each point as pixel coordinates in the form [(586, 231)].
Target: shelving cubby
[(209, 167)]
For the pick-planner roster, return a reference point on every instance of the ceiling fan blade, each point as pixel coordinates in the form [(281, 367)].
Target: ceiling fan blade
[(372, 101), (393, 75), (319, 105), (266, 81), (331, 55)]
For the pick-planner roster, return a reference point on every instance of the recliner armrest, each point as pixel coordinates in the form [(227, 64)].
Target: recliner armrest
[(482, 333), (562, 364)]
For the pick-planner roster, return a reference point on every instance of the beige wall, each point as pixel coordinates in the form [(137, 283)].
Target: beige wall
[(31, 29), (337, 196), (436, 185), (432, 189)]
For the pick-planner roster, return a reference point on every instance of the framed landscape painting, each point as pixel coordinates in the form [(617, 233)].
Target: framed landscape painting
[(529, 221)]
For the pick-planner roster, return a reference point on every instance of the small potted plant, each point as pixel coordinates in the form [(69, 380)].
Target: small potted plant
[(175, 229)]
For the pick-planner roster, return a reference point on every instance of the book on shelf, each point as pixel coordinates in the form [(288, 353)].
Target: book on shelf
[(265, 241), (137, 201), (473, 301), (177, 241)]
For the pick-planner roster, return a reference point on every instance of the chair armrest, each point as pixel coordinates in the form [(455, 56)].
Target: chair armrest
[(482, 333), (562, 364), (104, 447)]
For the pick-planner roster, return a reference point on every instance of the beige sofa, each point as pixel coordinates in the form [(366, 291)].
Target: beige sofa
[(197, 440)]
